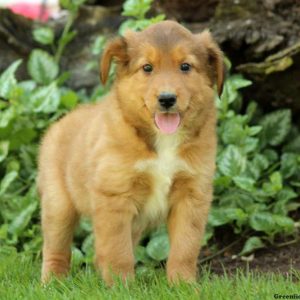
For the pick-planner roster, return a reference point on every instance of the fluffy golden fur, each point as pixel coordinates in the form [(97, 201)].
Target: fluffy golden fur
[(112, 162)]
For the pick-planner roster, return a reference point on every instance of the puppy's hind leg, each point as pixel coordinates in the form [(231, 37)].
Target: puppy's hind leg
[(59, 218)]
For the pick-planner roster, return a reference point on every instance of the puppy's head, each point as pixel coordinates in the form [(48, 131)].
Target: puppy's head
[(165, 75)]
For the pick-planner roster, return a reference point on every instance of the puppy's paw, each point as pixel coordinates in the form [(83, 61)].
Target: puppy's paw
[(110, 278), (181, 274), (54, 269)]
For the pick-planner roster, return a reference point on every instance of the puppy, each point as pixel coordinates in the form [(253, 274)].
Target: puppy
[(142, 156)]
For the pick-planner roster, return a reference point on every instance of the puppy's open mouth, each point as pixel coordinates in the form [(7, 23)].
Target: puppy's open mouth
[(168, 123)]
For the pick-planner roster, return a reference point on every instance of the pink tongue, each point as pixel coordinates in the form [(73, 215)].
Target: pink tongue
[(167, 123)]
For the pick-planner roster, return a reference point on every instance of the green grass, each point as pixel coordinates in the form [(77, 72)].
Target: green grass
[(19, 279)]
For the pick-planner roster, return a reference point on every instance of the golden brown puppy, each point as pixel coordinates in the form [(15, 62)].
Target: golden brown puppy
[(143, 156)]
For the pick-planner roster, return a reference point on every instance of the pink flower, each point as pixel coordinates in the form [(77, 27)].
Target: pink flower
[(31, 11)]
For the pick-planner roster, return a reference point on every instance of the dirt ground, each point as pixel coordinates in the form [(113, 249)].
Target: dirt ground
[(272, 259)]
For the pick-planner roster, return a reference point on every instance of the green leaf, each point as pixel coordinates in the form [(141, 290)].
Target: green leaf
[(77, 256), (286, 194), (4, 146), (258, 164), (252, 244), (231, 162), (251, 110), (28, 155), (219, 216), (222, 181), (238, 82), (7, 180), (3, 231), (230, 92), (161, 230), (260, 161), (21, 137), (7, 116), (65, 3), (263, 221), (239, 199), (88, 244), (275, 127), (289, 165), (13, 165), (282, 198), (7, 79), (136, 8), (85, 225), (229, 95), (227, 63), (69, 99), (293, 145), (140, 254), (254, 130), (271, 155), (245, 183), (28, 85), (42, 67), (158, 247), (88, 247), (275, 184), (71, 5), (233, 131), (43, 35), (292, 206), (66, 39), (271, 223), (46, 99), (157, 19), (284, 223), (276, 179), (21, 221), (62, 78), (98, 45), (250, 144), (135, 25)]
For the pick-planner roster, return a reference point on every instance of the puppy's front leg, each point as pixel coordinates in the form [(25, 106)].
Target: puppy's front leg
[(113, 240), (186, 225)]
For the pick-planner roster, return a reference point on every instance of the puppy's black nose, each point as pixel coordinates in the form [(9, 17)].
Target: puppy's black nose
[(166, 99)]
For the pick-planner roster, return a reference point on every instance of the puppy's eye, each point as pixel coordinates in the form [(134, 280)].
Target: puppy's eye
[(147, 68), (185, 67)]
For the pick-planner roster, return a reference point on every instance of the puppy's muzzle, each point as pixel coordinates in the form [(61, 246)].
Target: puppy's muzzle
[(166, 100)]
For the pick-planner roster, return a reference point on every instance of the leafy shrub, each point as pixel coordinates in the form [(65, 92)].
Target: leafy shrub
[(258, 169), (137, 10), (256, 183), (27, 109)]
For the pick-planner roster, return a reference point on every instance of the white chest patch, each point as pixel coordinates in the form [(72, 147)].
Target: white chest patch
[(162, 169)]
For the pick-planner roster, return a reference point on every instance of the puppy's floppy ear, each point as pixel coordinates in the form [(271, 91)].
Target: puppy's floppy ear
[(216, 66), (116, 49)]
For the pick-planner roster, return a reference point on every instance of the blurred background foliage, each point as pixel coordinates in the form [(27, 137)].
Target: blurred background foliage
[(257, 182)]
